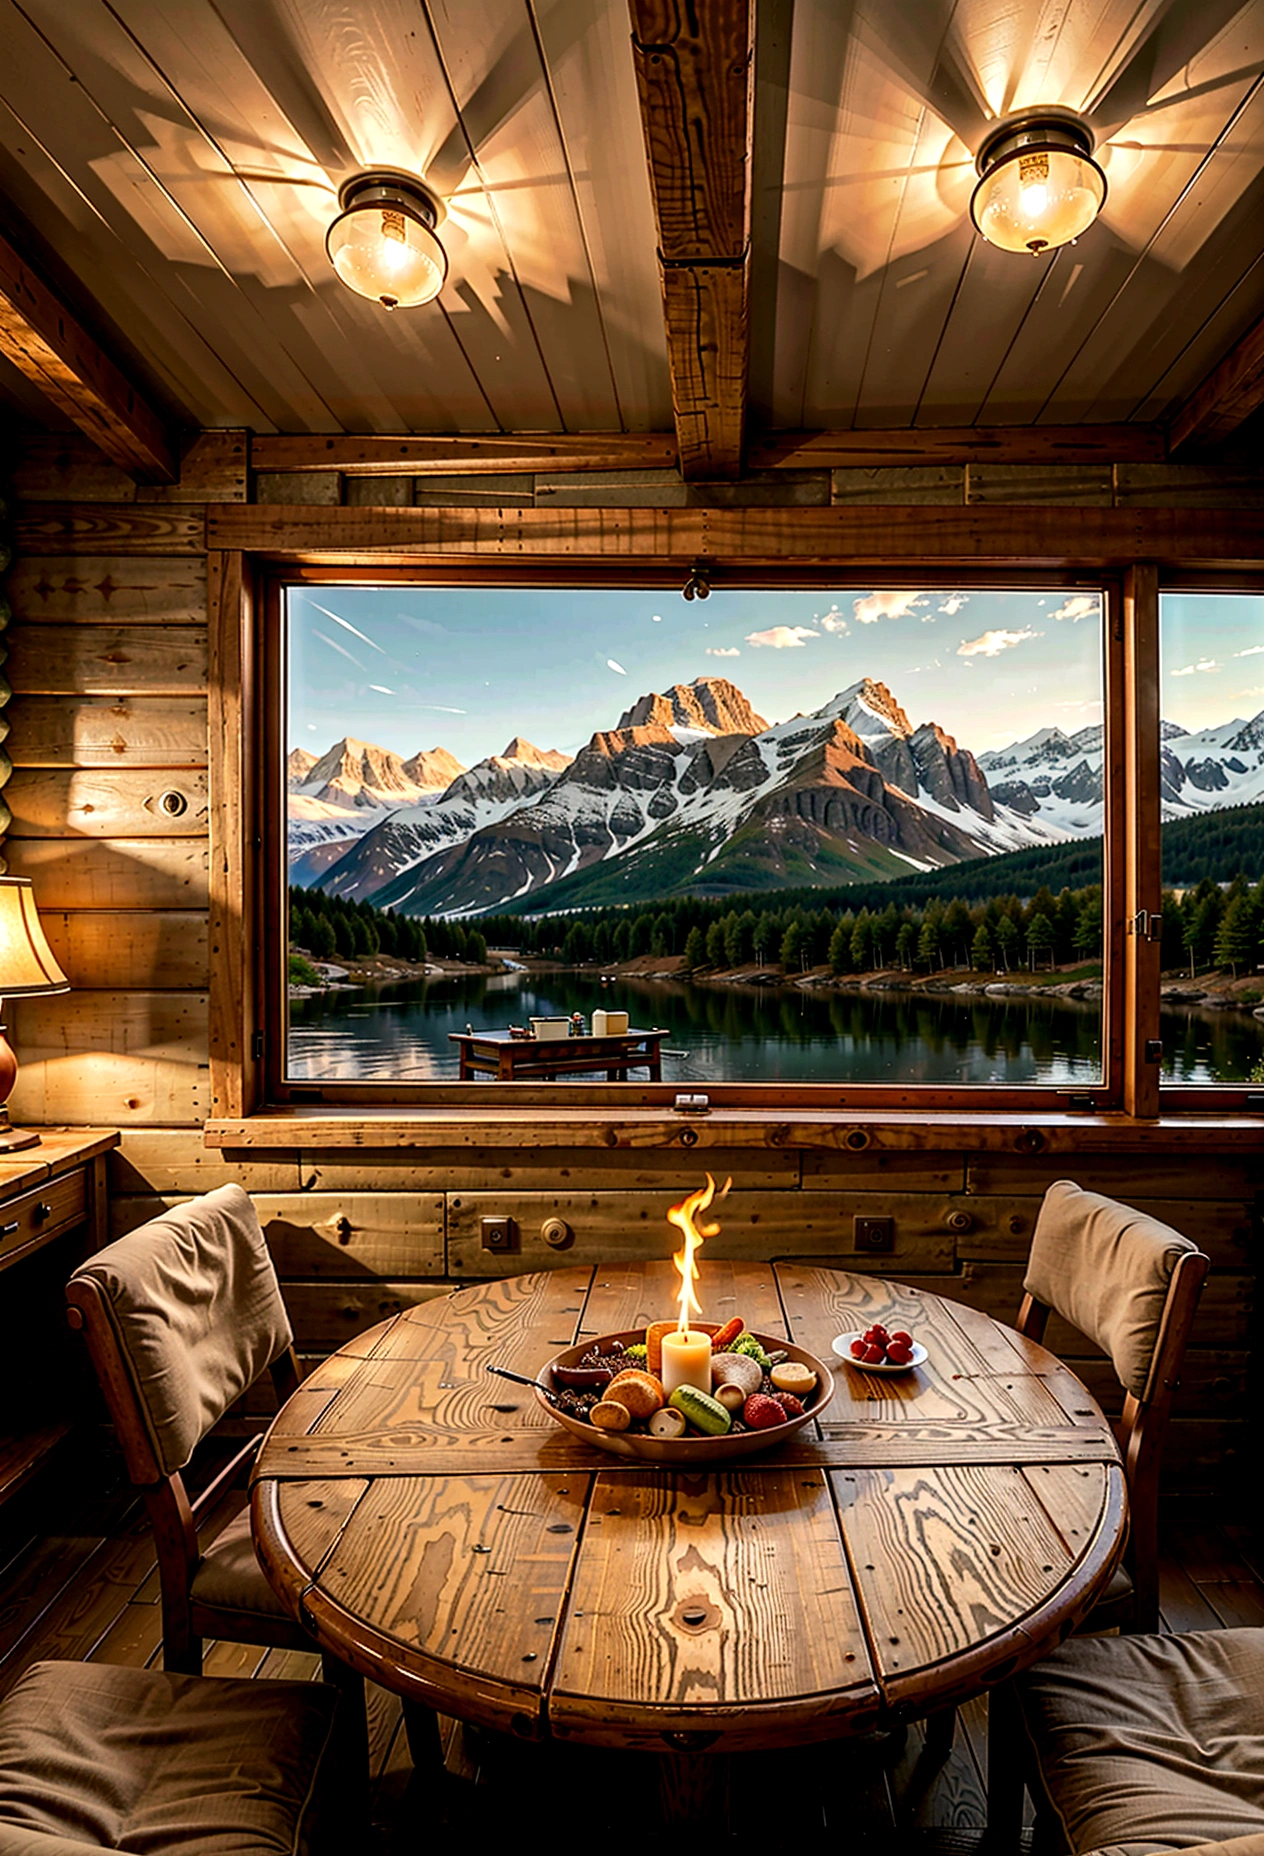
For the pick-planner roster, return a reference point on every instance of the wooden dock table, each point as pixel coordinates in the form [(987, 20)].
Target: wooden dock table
[(510, 1059), (931, 1534)]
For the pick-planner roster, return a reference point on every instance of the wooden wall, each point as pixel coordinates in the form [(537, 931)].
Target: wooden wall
[(108, 662)]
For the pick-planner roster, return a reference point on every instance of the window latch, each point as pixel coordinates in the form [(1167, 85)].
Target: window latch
[(1147, 924)]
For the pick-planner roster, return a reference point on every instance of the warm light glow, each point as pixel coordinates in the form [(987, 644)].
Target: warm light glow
[(383, 245), (1040, 187), (684, 1217), (26, 960)]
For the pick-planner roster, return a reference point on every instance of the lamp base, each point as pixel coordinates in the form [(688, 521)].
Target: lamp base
[(13, 1140)]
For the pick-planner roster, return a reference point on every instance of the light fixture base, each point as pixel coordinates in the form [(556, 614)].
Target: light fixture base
[(374, 184)]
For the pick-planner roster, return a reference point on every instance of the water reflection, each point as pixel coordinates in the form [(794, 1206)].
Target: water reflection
[(754, 1034)]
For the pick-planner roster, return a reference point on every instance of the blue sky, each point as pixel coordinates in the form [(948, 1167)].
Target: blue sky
[(468, 668)]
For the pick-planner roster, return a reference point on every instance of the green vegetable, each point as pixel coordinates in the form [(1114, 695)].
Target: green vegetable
[(637, 1351), (747, 1344), (703, 1412)]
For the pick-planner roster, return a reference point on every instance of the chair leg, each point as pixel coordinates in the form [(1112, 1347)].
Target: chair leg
[(355, 1713), (940, 1729), (1005, 1765), (425, 1744)]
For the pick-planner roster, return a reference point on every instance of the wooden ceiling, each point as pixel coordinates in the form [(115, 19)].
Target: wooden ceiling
[(741, 224)]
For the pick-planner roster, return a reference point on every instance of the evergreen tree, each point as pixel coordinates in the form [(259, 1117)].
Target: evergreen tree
[(476, 947), (621, 939), (324, 941), (1041, 938), (715, 943), (695, 949), (982, 958), (642, 933), (906, 944), (791, 950), (862, 942), (1087, 938), (1238, 936), (661, 936), (839, 952), (762, 937), (1007, 940), (577, 946)]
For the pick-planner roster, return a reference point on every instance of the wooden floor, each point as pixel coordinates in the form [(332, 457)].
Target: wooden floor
[(79, 1581)]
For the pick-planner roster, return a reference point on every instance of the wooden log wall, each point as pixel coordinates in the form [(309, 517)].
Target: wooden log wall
[(109, 817)]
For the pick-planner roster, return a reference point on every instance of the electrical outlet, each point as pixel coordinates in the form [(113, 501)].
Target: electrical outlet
[(873, 1233), (500, 1234)]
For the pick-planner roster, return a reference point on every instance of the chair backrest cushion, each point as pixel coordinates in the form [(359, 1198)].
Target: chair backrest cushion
[(196, 1312), (1106, 1269)]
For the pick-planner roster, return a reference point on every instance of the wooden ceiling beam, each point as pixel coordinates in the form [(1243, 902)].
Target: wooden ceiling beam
[(694, 69), (1227, 398), (440, 455), (55, 352), (970, 444)]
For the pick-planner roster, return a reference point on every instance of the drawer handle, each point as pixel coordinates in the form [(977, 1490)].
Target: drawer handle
[(41, 1212), (7, 1230)]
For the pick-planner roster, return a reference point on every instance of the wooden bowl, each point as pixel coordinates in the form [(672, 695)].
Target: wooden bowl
[(681, 1452)]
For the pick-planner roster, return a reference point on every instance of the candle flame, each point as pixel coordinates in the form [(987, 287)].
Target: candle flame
[(683, 1216)]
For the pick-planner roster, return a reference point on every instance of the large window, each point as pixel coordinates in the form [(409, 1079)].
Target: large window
[(828, 838), (1212, 795)]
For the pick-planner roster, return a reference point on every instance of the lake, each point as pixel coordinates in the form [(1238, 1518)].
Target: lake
[(726, 1033)]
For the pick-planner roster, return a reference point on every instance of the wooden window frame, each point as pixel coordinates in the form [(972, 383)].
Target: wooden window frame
[(251, 548)]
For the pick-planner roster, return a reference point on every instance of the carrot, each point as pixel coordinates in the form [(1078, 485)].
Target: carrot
[(724, 1337), (654, 1345)]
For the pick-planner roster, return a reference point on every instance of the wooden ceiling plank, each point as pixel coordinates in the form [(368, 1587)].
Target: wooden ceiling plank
[(1228, 396), (694, 76), (40, 336), (441, 455), (969, 444)]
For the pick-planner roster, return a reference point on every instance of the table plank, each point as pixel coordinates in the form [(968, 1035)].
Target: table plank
[(944, 1561), (469, 1574), (520, 1321), (1073, 1495), (721, 1601), (631, 1295)]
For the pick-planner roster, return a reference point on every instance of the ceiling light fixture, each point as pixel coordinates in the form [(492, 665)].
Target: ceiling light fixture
[(1039, 187), (383, 242)]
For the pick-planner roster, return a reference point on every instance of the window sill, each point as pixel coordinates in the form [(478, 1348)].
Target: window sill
[(310, 1130)]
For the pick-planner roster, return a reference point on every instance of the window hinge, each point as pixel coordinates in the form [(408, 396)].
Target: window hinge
[(256, 1045), (1148, 924)]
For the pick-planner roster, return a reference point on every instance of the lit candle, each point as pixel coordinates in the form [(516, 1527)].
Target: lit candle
[(686, 1360)]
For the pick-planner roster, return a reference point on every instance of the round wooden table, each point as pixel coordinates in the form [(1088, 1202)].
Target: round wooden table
[(931, 1534)]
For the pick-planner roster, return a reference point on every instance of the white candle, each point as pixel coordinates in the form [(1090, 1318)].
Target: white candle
[(686, 1360)]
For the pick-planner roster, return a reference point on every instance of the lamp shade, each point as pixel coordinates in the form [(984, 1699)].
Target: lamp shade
[(26, 960), (1039, 186), (383, 244)]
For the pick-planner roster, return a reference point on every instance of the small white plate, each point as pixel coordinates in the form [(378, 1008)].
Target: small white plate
[(842, 1347)]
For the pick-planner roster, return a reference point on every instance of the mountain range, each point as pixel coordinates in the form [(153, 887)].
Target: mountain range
[(692, 790)]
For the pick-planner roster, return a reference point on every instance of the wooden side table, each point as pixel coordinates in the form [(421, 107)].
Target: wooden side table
[(52, 1215)]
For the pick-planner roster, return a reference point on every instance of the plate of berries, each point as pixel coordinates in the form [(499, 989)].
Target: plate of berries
[(877, 1351)]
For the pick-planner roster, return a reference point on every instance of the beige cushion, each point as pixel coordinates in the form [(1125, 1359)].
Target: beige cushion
[(1106, 1269), (1151, 1743), (1236, 1846), (197, 1313), (229, 1577), (100, 1757)]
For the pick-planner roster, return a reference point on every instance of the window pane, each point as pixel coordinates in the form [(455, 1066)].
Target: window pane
[(845, 836), (1212, 708)]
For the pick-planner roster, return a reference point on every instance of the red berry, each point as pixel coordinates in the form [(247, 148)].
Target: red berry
[(859, 1348), (876, 1334), (792, 1406), (762, 1412), (874, 1355), (905, 1340), (898, 1354)]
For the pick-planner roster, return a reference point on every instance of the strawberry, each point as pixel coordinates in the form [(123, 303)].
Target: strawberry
[(761, 1412), (792, 1406)]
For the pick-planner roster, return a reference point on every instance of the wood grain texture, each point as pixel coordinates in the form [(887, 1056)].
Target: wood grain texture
[(1142, 897), (358, 1237), (1230, 394), (1027, 536), (235, 1016), (105, 731), (913, 446), (114, 873), (133, 949), (60, 802), (111, 1086), (107, 661), (109, 528), (39, 334), (475, 455), (109, 590)]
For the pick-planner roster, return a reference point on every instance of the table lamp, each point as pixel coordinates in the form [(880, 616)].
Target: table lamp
[(27, 967)]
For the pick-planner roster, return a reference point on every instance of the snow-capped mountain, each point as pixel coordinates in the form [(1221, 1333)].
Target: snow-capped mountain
[(332, 799), (478, 796), (694, 788), (1056, 779)]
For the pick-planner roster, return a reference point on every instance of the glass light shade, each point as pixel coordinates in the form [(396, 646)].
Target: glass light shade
[(26, 960), (383, 245), (1040, 186)]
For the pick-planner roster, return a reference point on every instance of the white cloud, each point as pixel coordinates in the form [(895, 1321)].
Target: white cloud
[(717, 650), (831, 621), (953, 604), (991, 644), (381, 689), (348, 628), (781, 637), (656, 618), (439, 708), (618, 669), (1189, 670), (875, 606), (1079, 606), (1252, 650), (340, 649)]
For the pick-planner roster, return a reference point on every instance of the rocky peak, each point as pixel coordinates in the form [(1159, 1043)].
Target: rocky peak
[(298, 765), (711, 704), (432, 769), (529, 755), (870, 710)]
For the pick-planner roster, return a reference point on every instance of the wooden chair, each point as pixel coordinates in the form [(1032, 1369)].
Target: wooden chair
[(95, 1757), (181, 1317), (1131, 1286)]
